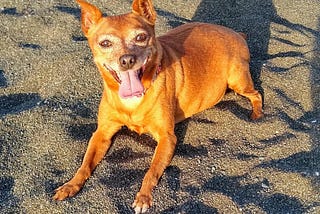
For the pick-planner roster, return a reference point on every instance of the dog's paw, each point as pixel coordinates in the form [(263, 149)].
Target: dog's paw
[(142, 203), (65, 191), (256, 115)]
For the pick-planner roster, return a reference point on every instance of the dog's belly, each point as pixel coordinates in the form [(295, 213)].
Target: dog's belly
[(189, 105), (202, 91)]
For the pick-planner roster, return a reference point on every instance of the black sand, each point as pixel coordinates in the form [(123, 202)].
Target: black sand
[(224, 163)]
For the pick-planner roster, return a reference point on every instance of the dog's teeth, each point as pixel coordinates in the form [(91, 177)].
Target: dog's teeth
[(145, 61)]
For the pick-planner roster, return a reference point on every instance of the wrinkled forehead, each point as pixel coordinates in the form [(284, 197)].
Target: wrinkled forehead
[(123, 26)]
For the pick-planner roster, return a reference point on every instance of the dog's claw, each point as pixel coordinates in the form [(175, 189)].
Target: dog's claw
[(65, 191), (138, 210), (142, 203)]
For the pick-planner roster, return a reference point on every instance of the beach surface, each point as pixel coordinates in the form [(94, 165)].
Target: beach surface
[(224, 163)]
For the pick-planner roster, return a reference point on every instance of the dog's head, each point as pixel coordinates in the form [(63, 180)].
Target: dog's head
[(124, 46)]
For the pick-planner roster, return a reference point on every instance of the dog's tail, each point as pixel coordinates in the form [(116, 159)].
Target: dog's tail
[(243, 35)]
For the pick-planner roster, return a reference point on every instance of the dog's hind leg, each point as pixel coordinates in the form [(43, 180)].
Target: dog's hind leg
[(241, 82)]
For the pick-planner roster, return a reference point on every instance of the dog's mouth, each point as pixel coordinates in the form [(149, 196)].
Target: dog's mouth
[(117, 75), (129, 81)]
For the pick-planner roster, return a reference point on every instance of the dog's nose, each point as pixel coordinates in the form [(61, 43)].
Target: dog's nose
[(127, 61)]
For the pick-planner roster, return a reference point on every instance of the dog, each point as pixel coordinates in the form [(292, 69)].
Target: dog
[(151, 83)]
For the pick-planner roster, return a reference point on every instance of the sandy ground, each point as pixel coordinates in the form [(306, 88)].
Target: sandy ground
[(224, 163)]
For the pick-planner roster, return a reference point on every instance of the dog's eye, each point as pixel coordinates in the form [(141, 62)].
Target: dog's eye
[(105, 44), (141, 37)]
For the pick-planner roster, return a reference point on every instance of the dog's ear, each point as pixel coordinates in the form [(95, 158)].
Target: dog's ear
[(145, 9), (90, 15)]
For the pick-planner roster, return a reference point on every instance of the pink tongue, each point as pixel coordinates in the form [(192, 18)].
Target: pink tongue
[(130, 85)]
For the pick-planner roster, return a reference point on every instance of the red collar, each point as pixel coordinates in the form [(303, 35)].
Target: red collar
[(155, 75)]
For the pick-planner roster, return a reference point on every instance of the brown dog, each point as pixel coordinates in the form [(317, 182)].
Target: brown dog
[(152, 83)]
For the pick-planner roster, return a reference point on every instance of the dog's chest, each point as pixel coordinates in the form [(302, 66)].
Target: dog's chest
[(136, 123), (131, 103), (134, 116)]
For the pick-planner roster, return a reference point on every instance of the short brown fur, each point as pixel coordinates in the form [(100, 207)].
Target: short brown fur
[(186, 71)]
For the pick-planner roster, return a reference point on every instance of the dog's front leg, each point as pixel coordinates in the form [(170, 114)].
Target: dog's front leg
[(161, 159), (98, 146)]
